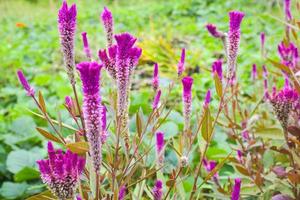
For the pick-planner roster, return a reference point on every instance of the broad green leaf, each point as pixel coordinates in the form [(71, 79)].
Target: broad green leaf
[(47, 195), (27, 173), (170, 129), (11, 190)]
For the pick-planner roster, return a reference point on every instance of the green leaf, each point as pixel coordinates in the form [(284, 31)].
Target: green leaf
[(206, 128), (11, 190), (23, 126), (27, 173), (18, 159), (170, 129), (47, 195)]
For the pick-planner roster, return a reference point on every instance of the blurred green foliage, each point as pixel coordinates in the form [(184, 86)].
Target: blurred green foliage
[(29, 40)]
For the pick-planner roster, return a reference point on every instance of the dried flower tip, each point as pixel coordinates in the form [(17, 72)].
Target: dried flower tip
[(155, 79), (156, 100), (30, 91), (86, 47), (212, 29), (67, 29), (108, 23), (61, 172), (235, 195), (181, 63), (158, 190)]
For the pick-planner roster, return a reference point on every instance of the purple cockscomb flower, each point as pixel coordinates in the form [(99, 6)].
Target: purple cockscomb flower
[(217, 69), (181, 63), (160, 147), (108, 23), (155, 79), (254, 72), (67, 29), (104, 133), (262, 42), (90, 77), (287, 10), (207, 99), (212, 29), (187, 83), (30, 90), (122, 192), (234, 34), (61, 172), (240, 156), (235, 194), (86, 47), (156, 100), (288, 54), (158, 190), (283, 102)]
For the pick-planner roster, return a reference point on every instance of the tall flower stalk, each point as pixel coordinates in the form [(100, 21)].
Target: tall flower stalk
[(108, 23), (90, 77), (235, 195)]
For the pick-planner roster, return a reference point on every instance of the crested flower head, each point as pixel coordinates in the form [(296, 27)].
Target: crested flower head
[(86, 47), (283, 102), (155, 79), (212, 29), (287, 10), (234, 34), (207, 99), (158, 190), (187, 83), (122, 192), (217, 69), (156, 100), (254, 72), (235, 194), (181, 63), (108, 23), (288, 54), (90, 77), (67, 29), (30, 90), (61, 172)]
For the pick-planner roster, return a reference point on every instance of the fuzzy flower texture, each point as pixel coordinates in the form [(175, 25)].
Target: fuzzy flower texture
[(158, 190), (90, 77), (30, 90), (67, 29), (288, 54), (187, 83), (61, 172)]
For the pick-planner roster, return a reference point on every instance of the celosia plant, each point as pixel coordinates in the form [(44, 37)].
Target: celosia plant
[(108, 158)]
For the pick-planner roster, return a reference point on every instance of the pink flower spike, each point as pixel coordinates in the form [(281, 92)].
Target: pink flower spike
[(61, 172), (240, 156), (187, 83), (287, 10), (160, 147), (217, 69), (235, 195), (122, 193), (22, 79), (254, 72), (67, 30), (158, 190), (234, 34), (262, 41), (86, 47), (181, 64), (155, 79), (108, 23), (212, 29), (156, 100), (104, 133), (207, 99)]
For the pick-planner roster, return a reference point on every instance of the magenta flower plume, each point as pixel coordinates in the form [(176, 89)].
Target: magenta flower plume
[(235, 195), (287, 10), (181, 63), (30, 90), (61, 172), (283, 102), (207, 99), (262, 41), (122, 193), (288, 54), (187, 83), (254, 72), (86, 47), (156, 100), (217, 69), (67, 29), (209, 166), (234, 34), (158, 190), (160, 147), (108, 23), (104, 133), (240, 156), (212, 29), (155, 79), (90, 77)]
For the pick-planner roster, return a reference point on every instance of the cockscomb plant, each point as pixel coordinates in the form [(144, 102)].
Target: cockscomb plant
[(105, 158)]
